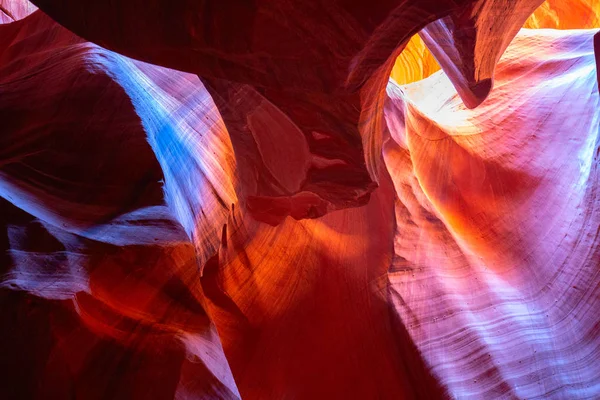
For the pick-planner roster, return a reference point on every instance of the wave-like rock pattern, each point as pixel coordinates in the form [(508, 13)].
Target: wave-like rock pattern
[(263, 231), (416, 62), (497, 248), (556, 14), (14, 10), (326, 70), (119, 168), (469, 42)]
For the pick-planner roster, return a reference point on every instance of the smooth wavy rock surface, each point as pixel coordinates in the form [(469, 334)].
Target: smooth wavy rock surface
[(326, 70), (292, 223), (469, 42), (416, 61), (497, 248), (118, 248), (14, 10), (557, 14)]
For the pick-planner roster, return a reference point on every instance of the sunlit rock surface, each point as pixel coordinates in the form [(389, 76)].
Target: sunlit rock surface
[(497, 244), (292, 224), (557, 14), (469, 42), (108, 161), (14, 10), (416, 61)]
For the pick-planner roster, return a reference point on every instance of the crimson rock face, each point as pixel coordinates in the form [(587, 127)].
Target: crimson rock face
[(289, 223), (109, 205)]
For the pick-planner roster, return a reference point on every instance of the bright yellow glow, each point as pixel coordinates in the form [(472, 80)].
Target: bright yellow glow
[(416, 62), (562, 14)]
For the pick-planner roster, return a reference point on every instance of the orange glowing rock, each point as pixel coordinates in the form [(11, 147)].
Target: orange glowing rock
[(497, 213), (469, 42), (293, 223), (415, 63), (573, 14)]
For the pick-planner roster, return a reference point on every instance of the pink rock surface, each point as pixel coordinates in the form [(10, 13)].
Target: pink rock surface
[(469, 42), (293, 224), (497, 245), (119, 248), (14, 10)]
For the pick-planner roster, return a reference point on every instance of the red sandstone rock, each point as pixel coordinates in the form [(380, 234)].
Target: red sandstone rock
[(147, 227), (108, 160), (469, 42), (325, 65), (497, 246)]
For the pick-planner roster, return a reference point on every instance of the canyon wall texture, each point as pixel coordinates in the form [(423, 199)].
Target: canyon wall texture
[(225, 199)]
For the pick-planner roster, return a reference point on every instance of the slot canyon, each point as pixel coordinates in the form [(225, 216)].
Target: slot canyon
[(310, 199)]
